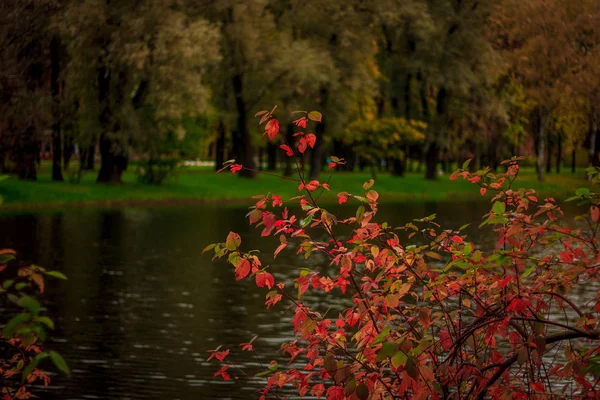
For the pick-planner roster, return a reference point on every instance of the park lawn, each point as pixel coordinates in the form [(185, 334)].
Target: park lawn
[(200, 185)]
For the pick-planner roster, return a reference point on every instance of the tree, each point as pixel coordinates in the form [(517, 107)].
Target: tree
[(150, 62), (543, 40), (24, 69)]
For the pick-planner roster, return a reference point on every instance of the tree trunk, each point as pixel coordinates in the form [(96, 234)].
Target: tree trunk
[(220, 146), (541, 147), (289, 138), (549, 159), (27, 153), (408, 97), (432, 155), (592, 160), (54, 88), (573, 161), (316, 159), (68, 149), (243, 144), (559, 152), (271, 156), (398, 167), (90, 158), (112, 161)]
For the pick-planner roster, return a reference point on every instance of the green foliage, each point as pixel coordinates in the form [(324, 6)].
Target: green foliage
[(385, 137), (23, 334), (154, 171)]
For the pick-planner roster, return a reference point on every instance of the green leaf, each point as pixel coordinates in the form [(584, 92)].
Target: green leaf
[(12, 325), (466, 164), (399, 359), (20, 285), (306, 221), (56, 274), (7, 283), (362, 391), (60, 362), (209, 247), (528, 271), (382, 336), (581, 192), (498, 208), (34, 363), (31, 304), (315, 116), (274, 366), (360, 212), (468, 249), (46, 321), (263, 373), (4, 258), (233, 241)]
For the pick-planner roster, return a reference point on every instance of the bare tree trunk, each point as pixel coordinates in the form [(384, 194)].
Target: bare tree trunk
[(592, 160), (271, 156), (317, 159), (54, 88), (289, 138), (433, 148), (220, 146), (243, 146), (541, 148), (559, 153)]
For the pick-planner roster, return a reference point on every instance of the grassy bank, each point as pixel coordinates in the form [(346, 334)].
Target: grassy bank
[(200, 185)]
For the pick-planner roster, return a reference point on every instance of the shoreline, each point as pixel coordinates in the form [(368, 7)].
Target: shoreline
[(407, 198)]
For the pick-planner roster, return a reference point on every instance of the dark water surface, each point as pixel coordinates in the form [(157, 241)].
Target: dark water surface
[(142, 304)]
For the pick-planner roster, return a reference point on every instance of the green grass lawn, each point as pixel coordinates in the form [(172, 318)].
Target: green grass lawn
[(198, 184)]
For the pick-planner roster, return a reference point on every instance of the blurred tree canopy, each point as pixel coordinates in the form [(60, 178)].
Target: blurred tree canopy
[(399, 82)]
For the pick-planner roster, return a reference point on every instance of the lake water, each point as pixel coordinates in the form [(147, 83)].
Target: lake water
[(143, 305)]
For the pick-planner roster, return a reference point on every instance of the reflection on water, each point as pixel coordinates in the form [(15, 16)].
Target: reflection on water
[(142, 304)]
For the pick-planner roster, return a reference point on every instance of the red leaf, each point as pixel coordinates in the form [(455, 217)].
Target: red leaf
[(269, 221), (288, 150), (332, 165), (302, 145), (595, 212), (372, 195), (456, 239), (537, 386), (254, 216), (246, 346), (342, 197), (279, 248), (242, 269), (272, 128), (222, 372), (482, 191), (265, 279), (219, 355), (311, 139), (301, 122), (276, 200), (235, 168)]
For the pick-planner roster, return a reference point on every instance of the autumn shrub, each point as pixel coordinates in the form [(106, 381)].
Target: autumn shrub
[(431, 313), (25, 328)]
